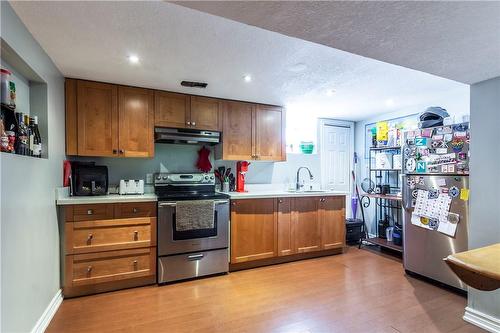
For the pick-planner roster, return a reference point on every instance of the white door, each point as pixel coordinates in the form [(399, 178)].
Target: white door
[(335, 157)]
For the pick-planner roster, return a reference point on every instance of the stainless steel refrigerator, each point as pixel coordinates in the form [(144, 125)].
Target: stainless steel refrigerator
[(436, 162)]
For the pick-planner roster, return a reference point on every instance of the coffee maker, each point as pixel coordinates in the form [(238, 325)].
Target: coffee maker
[(241, 170)]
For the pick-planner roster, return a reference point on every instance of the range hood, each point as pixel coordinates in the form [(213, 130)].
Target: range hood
[(186, 136)]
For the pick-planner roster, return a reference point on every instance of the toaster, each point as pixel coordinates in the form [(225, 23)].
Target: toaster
[(131, 186)]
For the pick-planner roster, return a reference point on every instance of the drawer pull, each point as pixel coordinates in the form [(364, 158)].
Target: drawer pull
[(136, 235), (322, 200), (135, 210), (89, 270), (280, 200), (193, 123), (89, 238), (90, 211), (135, 265), (195, 257)]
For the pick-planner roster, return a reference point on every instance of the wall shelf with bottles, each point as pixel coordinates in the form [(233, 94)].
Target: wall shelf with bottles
[(24, 106)]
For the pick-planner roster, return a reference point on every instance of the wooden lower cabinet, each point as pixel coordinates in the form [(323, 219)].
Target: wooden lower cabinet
[(306, 221), (285, 228), (332, 220), (253, 229), (107, 247), (263, 229)]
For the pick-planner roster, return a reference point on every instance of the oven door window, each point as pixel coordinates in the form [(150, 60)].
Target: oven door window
[(192, 234)]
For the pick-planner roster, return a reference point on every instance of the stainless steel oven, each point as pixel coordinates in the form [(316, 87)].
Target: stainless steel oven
[(172, 241), (189, 253)]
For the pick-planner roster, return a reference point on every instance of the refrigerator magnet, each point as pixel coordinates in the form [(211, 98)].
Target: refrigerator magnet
[(420, 142), (457, 145), (410, 164), (445, 190), (451, 168), (454, 192), (433, 224), (448, 137), (421, 166), (426, 132), (433, 193), (441, 151), (464, 194)]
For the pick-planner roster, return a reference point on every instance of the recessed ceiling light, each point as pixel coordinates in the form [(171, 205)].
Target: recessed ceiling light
[(133, 59), (247, 78), (330, 92), (389, 102)]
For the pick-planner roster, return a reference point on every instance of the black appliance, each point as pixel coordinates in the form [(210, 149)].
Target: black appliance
[(186, 136), (200, 251), (89, 179), (354, 230)]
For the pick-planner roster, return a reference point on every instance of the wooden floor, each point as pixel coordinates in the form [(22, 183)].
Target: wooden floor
[(359, 291)]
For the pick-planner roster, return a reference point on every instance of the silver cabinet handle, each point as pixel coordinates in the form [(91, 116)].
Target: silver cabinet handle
[(195, 257), (188, 122), (193, 123), (280, 200), (322, 200), (90, 211)]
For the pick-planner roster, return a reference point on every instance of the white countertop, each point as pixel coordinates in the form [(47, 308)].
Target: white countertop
[(63, 198), (257, 194)]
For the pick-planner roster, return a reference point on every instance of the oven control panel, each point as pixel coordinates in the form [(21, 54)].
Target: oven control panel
[(184, 178)]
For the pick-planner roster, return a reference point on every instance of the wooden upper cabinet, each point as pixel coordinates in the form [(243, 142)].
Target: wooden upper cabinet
[(97, 119), (285, 228), (171, 109), (332, 216), (205, 113), (237, 136), (306, 222), (253, 229), (136, 122), (269, 133)]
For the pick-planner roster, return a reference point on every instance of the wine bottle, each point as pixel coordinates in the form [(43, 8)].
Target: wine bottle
[(37, 139), (29, 134), (22, 138)]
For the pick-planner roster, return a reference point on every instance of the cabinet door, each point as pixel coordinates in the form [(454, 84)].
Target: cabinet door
[(97, 119), (136, 122), (332, 215), (171, 110), (285, 230), (269, 133), (205, 113), (306, 224), (237, 137), (253, 229)]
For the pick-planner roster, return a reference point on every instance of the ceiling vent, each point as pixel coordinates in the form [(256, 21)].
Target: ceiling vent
[(193, 84)]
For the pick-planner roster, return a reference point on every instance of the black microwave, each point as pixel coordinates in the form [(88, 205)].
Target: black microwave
[(89, 179)]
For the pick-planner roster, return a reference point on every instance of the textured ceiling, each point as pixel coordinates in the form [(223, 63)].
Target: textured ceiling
[(92, 40), (453, 39)]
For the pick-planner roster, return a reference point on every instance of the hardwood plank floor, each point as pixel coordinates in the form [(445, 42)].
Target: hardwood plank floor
[(359, 291)]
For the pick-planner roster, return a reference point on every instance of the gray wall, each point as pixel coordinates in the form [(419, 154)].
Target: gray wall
[(484, 181), (29, 230)]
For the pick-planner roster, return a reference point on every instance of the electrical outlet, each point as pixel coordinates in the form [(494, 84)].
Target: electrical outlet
[(149, 178)]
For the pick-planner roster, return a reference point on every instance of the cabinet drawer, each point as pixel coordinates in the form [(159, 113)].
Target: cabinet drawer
[(91, 212), (135, 209), (93, 268), (106, 235)]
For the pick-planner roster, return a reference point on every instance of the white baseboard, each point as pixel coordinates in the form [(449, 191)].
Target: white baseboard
[(482, 320), (49, 312)]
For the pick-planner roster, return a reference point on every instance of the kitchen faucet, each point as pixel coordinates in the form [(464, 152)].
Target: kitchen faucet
[(298, 186)]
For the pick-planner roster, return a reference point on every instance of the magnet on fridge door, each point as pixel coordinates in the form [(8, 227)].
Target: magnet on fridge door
[(426, 132), (448, 137), (457, 145), (444, 168), (454, 192), (462, 156), (453, 218), (441, 151), (451, 168), (414, 194), (433, 224), (464, 194), (444, 130), (420, 142), (433, 193), (410, 164), (460, 127), (424, 220), (421, 166), (421, 180), (445, 190)]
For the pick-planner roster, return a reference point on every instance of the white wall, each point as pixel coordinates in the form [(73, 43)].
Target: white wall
[(484, 226), (456, 102), (29, 229)]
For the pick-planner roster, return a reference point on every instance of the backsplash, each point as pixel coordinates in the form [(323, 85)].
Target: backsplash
[(168, 158)]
